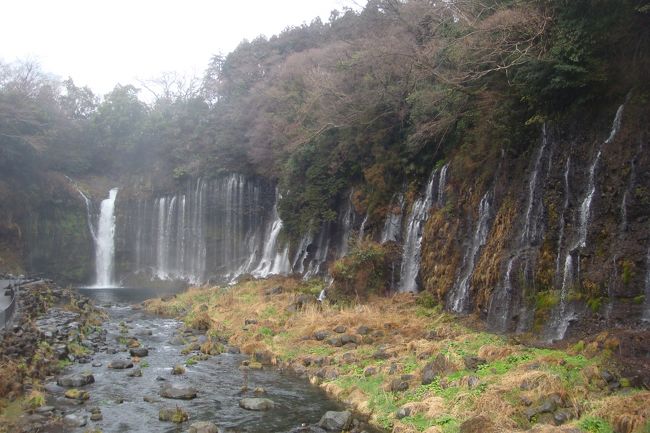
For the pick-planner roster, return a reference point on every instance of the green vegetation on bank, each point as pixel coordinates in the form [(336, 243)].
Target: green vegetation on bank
[(432, 372)]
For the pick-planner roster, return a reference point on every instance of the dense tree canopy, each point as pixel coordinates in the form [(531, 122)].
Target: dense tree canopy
[(372, 98)]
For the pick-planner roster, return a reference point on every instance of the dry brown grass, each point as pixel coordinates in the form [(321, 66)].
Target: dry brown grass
[(494, 353), (628, 414)]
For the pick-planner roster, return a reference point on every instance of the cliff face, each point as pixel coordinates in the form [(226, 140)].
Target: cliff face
[(566, 245), (546, 233), (45, 228)]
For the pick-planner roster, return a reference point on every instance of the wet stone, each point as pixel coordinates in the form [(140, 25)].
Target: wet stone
[(140, 352), (120, 364), (136, 372), (335, 421), (257, 404), (177, 391), (75, 420), (340, 329), (203, 427), (75, 380)]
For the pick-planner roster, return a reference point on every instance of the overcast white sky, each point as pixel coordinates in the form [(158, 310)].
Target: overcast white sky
[(102, 42)]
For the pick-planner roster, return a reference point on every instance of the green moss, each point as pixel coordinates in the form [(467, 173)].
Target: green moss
[(594, 304), (627, 271)]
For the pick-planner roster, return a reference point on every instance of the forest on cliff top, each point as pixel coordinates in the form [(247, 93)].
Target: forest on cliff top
[(373, 98)]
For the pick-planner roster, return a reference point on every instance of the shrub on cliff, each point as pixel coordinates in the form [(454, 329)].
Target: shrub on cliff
[(364, 271)]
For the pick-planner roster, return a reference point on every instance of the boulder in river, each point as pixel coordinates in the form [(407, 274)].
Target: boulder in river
[(120, 364), (75, 420), (176, 391), (336, 421), (203, 427), (75, 380), (140, 352), (256, 404), (76, 394), (173, 414)]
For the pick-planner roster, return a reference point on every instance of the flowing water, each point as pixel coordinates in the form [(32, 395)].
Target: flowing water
[(413, 240), (459, 295), (105, 242), (275, 259), (218, 380), (499, 309), (393, 224), (646, 303), (564, 313), (212, 229)]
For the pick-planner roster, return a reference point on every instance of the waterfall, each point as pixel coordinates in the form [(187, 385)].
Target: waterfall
[(216, 226), (585, 206), (442, 183), (565, 207), (530, 230), (393, 224), (105, 242), (459, 296), (564, 314), (362, 229), (302, 252), (646, 303), (318, 257), (499, 309), (274, 260), (346, 221), (89, 218), (413, 240)]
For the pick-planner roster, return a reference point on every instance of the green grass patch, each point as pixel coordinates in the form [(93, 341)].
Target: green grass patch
[(595, 425)]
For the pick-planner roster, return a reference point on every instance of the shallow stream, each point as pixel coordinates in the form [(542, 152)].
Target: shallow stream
[(218, 380)]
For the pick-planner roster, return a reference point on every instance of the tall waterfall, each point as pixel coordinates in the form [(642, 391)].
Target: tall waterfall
[(646, 303), (393, 224), (499, 309), (413, 240), (211, 229), (507, 305), (459, 296), (319, 253), (346, 223), (564, 314), (565, 207), (105, 242), (275, 258), (87, 203)]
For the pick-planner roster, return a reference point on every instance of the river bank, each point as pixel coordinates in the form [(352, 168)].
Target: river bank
[(71, 366), (409, 367)]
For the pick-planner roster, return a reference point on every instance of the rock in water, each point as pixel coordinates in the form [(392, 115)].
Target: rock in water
[(336, 421), (74, 420), (179, 392), (173, 414), (256, 404), (140, 352), (120, 364), (75, 380), (203, 427)]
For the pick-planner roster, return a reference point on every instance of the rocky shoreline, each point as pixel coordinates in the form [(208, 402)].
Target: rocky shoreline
[(65, 352)]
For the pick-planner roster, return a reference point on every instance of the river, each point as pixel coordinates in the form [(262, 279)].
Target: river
[(218, 380)]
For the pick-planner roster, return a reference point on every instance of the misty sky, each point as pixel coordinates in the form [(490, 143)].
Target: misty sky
[(102, 42)]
